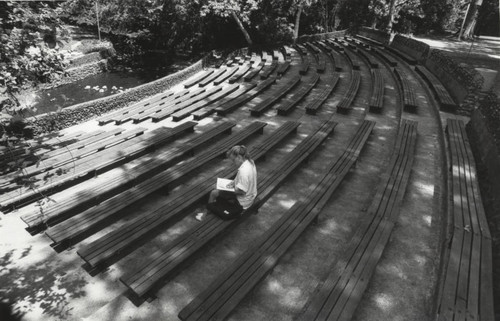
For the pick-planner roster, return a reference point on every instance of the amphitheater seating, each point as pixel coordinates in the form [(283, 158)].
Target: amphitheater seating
[(237, 102), (219, 80), (377, 96), (318, 102), (409, 59), (144, 278), (239, 73), (205, 111), (168, 111), (466, 288), (105, 248), (233, 284), (282, 68), (385, 57), (339, 295), (199, 78), (250, 75), (59, 160), (183, 97), (289, 103), (88, 168), (185, 112), (212, 77), (268, 69), (442, 95), (93, 217), (261, 107), (345, 104), (363, 53), (142, 105), (409, 98)]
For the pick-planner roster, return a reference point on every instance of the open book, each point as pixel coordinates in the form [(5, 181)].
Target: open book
[(224, 184)]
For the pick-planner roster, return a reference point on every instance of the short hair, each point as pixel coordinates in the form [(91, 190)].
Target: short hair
[(239, 150)]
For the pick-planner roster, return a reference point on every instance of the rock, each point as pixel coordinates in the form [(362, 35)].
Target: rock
[(101, 90), (104, 87), (87, 87)]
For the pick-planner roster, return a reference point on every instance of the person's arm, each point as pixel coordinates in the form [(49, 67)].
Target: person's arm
[(238, 191)]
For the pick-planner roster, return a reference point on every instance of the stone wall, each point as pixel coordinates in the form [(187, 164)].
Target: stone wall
[(375, 34), (85, 59), (462, 82), (92, 109), (413, 48), (484, 133)]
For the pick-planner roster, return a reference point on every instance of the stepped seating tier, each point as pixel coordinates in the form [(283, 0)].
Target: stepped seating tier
[(338, 296), (233, 284)]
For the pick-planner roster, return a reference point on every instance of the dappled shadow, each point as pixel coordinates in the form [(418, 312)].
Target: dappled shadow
[(39, 285)]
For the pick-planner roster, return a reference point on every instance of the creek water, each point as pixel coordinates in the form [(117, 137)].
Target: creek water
[(98, 86)]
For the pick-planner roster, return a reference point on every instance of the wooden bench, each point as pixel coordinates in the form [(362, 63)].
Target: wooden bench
[(137, 107), (323, 96), (442, 95), (80, 224), (219, 80), (168, 111), (363, 53), (287, 105), (268, 69), (70, 156), (101, 251), (283, 67), (409, 59), (261, 107), (408, 93), (345, 104), (231, 105), (377, 96), (385, 57), (199, 78), (206, 111), (240, 73), (222, 295), (144, 113), (142, 280), (83, 169), (337, 297), (466, 285), (30, 152), (250, 75), (212, 77), (185, 112)]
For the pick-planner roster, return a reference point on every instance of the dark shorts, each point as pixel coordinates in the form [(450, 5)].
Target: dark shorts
[(226, 206)]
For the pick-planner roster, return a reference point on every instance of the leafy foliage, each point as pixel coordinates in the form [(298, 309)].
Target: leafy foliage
[(28, 35)]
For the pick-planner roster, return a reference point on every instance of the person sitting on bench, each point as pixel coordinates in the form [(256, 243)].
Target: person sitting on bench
[(228, 204)]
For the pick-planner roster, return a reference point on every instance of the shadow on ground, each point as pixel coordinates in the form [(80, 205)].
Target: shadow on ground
[(39, 285)]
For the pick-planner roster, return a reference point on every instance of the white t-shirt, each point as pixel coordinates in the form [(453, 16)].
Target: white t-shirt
[(246, 180)]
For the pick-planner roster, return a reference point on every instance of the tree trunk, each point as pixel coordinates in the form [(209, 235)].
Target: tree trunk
[(242, 28), (391, 16), (297, 22), (470, 20)]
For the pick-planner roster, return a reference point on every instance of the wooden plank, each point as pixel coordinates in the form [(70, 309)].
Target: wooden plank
[(94, 257), (313, 108), (164, 261), (235, 103), (258, 109), (199, 78)]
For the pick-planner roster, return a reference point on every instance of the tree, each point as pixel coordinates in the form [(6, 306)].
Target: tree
[(28, 31), (239, 10)]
